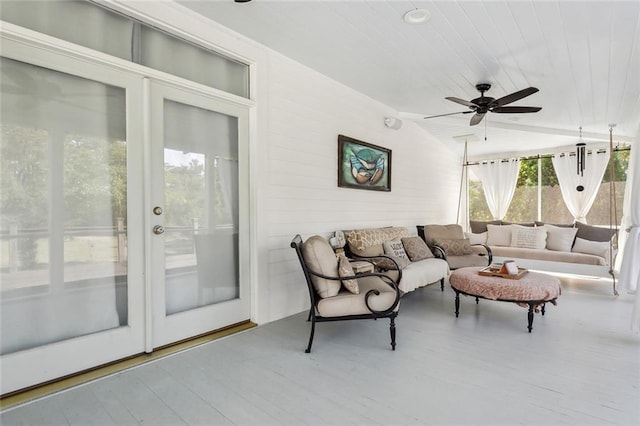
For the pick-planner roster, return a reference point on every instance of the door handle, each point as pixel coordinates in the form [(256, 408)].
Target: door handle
[(158, 229)]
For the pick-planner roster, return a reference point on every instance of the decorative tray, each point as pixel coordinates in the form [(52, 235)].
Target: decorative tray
[(496, 272)]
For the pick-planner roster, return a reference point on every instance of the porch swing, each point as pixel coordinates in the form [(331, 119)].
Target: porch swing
[(612, 228)]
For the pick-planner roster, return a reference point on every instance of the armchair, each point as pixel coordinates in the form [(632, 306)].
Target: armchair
[(337, 294), (449, 243)]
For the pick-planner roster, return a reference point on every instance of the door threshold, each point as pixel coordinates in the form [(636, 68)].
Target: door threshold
[(32, 393)]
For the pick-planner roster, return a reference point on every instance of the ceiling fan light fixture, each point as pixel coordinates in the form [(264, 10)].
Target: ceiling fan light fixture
[(417, 16)]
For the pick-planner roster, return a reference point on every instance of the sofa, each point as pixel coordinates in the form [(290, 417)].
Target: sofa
[(397, 253), (575, 248)]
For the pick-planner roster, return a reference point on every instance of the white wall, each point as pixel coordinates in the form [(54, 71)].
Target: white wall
[(306, 113), (296, 121)]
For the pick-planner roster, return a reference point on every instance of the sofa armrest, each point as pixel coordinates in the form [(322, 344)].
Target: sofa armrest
[(488, 249), (438, 251)]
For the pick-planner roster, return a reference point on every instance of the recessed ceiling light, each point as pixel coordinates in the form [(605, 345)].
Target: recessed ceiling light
[(417, 16)]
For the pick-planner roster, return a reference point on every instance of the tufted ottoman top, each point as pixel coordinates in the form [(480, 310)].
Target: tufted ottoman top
[(533, 286)]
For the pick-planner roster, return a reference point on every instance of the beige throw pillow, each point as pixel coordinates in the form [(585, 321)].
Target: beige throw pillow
[(386, 264), (498, 235), (598, 248), (560, 238), (476, 238), (528, 237), (346, 270), (455, 247), (416, 248)]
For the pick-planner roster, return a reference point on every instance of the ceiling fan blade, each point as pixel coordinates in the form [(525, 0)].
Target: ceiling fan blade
[(477, 118), (461, 102), (515, 109), (514, 96), (451, 113)]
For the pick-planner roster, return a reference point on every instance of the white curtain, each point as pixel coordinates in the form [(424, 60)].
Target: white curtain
[(579, 202), (630, 269), (499, 180)]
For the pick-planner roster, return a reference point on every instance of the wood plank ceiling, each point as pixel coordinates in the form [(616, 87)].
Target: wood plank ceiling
[(584, 56)]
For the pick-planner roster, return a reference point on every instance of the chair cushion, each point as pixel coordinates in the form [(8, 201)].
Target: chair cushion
[(347, 303), (454, 247), (433, 232), (416, 248), (346, 270), (319, 257)]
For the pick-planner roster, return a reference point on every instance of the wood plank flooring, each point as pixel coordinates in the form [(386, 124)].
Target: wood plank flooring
[(580, 365)]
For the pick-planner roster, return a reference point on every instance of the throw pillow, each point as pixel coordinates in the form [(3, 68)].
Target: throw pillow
[(498, 235), (594, 233), (478, 227), (528, 237), (559, 238), (346, 270), (386, 264), (416, 248), (476, 238), (457, 247), (598, 248), (395, 248)]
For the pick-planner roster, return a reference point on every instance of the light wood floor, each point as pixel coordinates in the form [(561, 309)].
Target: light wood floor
[(580, 365)]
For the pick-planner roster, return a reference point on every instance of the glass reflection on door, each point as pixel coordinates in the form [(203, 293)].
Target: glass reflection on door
[(200, 207), (63, 210)]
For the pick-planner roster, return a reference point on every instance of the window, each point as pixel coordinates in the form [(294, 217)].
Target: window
[(538, 197)]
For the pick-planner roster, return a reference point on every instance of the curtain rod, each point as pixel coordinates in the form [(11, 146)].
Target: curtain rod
[(535, 157)]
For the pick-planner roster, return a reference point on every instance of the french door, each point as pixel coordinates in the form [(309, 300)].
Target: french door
[(198, 213), (123, 215)]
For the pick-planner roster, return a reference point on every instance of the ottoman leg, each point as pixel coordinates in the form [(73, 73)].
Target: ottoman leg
[(457, 303), (542, 310), (530, 316)]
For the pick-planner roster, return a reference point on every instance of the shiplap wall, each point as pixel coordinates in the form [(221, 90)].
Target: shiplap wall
[(306, 113)]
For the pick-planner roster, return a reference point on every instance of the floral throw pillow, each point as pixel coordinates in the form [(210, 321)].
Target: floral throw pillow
[(416, 248), (345, 270), (455, 247)]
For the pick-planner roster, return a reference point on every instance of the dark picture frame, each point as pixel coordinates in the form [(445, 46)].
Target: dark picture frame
[(362, 165)]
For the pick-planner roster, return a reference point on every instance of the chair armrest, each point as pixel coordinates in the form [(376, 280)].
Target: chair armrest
[(488, 249)]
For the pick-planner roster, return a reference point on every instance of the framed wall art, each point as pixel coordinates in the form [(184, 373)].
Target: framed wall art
[(362, 165)]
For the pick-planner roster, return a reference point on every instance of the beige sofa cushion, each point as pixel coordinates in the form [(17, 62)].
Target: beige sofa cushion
[(421, 273), (347, 303), (368, 242), (438, 232), (550, 255), (320, 258)]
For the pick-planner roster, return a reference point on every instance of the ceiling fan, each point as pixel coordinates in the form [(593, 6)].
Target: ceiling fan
[(485, 104)]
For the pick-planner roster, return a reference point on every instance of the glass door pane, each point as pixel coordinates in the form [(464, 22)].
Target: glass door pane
[(63, 209), (201, 207)]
